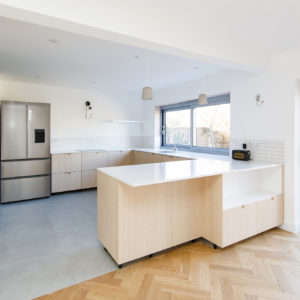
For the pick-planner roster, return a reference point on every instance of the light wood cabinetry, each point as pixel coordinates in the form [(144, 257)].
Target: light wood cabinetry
[(269, 213), (249, 219), (224, 209), (67, 162), (166, 158), (134, 222), (86, 164), (238, 223), (71, 166), (140, 157), (252, 203), (88, 179), (66, 172), (93, 160), (66, 181)]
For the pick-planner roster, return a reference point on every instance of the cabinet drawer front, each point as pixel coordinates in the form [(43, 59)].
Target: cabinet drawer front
[(89, 179), (69, 162), (25, 188), (67, 181), (239, 223), (269, 213)]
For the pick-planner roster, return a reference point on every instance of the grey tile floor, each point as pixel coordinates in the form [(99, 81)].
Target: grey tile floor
[(49, 244)]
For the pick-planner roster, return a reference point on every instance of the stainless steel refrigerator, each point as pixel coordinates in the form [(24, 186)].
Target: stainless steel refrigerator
[(25, 150)]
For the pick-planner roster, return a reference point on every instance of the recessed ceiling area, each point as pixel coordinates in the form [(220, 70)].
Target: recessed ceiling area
[(37, 54)]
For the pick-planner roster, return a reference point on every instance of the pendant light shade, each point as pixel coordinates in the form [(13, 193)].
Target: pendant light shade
[(202, 100), (147, 93), (147, 90)]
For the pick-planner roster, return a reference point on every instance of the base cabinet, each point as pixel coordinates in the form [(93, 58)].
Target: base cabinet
[(269, 213), (140, 157), (67, 181), (66, 172), (93, 160), (238, 223), (68, 167), (67, 162), (88, 179), (250, 219)]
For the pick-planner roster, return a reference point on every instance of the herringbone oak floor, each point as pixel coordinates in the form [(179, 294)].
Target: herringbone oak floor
[(261, 268)]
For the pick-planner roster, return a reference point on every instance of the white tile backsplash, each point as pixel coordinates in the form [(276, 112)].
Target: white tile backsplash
[(116, 142), (263, 150)]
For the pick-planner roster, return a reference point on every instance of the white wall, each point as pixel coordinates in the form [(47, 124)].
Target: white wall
[(68, 121), (274, 121), (297, 152)]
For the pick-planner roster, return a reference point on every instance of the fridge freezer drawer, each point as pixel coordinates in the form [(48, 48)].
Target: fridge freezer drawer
[(25, 188), (10, 169)]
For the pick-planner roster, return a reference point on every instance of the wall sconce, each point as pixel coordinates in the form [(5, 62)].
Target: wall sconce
[(259, 101), (88, 110)]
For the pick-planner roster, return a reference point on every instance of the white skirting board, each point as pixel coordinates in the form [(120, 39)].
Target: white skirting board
[(291, 227)]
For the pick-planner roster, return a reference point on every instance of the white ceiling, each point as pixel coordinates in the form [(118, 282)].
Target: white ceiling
[(241, 34), (79, 61)]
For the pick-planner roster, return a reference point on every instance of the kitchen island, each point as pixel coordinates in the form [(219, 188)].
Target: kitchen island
[(147, 208)]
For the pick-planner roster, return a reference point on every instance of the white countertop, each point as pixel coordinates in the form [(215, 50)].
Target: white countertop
[(147, 174), (169, 152), (66, 151), (63, 151), (184, 154)]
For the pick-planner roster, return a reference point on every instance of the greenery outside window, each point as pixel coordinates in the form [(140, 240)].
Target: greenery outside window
[(194, 127)]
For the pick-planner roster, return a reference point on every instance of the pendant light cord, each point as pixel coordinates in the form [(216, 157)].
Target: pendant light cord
[(147, 71)]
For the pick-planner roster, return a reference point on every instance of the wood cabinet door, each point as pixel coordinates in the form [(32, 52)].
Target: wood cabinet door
[(166, 158), (140, 157), (94, 160), (156, 158), (146, 158), (102, 160), (88, 179), (126, 158), (269, 213), (113, 158), (239, 223), (67, 162), (66, 181), (89, 161)]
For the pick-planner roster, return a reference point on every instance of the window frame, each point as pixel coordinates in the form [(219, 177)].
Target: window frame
[(191, 105)]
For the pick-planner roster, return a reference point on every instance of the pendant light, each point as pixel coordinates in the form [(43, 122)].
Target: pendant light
[(147, 90), (202, 99)]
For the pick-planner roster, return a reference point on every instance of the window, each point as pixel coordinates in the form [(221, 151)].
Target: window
[(203, 128), (178, 127)]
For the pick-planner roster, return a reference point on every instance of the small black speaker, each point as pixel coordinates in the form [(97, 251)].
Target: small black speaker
[(241, 154)]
